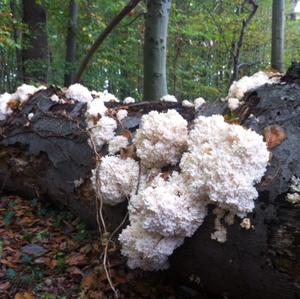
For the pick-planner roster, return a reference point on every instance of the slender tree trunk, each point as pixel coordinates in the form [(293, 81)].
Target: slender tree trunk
[(35, 51), (278, 20), (293, 14), (17, 39), (155, 49), (71, 43)]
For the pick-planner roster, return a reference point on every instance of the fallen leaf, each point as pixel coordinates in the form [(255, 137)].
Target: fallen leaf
[(76, 259), (126, 133), (274, 136), (89, 280), (5, 286), (25, 295), (75, 272)]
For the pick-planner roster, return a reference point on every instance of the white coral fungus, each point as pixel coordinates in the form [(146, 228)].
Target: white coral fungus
[(148, 251), (168, 98), (224, 161), (95, 108), (103, 131), (166, 208), (116, 144), (79, 93), (118, 178), (23, 92), (198, 103), (161, 138), (186, 103), (4, 109), (239, 88), (121, 114), (233, 103), (129, 100)]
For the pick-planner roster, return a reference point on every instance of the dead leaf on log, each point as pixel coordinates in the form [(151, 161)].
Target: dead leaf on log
[(25, 295), (274, 136)]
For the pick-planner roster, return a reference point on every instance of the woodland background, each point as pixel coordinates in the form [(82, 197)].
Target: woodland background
[(201, 40)]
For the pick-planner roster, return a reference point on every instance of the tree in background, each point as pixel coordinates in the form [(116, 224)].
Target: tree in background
[(278, 21), (155, 49), (69, 77), (35, 51)]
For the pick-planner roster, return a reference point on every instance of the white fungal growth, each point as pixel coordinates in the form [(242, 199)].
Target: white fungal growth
[(161, 138), (145, 250), (23, 92), (4, 108), (198, 103), (186, 103), (79, 93), (116, 144), (233, 103), (108, 97), (220, 233), (129, 100), (121, 114), (95, 108), (224, 161), (168, 98), (118, 178), (166, 208), (239, 88), (103, 131), (30, 116)]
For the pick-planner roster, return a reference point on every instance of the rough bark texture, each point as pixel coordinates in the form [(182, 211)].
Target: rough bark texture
[(155, 49), (50, 155), (35, 51), (278, 20), (71, 43)]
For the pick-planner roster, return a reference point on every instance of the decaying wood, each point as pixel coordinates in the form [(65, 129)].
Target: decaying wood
[(50, 157)]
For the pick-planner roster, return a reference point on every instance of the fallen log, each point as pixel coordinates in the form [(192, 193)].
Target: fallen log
[(50, 157)]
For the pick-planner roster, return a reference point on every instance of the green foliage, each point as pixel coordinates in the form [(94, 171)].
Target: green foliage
[(200, 45)]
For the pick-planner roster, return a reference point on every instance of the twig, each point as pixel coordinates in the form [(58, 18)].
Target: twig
[(114, 22)]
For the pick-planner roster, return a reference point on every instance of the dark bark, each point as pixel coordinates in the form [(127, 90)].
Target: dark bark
[(35, 51), (155, 49), (47, 156), (278, 21), (71, 44), (103, 35)]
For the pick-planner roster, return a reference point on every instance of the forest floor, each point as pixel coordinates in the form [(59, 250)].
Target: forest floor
[(47, 253)]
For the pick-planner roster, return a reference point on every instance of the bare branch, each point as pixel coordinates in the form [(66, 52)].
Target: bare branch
[(114, 22)]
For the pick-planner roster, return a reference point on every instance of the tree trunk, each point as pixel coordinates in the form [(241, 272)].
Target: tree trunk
[(155, 49), (17, 39), (50, 157), (35, 51), (71, 44), (278, 21)]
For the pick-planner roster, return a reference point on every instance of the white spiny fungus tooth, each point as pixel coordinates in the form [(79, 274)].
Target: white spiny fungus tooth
[(118, 178), (161, 138), (79, 93), (168, 98)]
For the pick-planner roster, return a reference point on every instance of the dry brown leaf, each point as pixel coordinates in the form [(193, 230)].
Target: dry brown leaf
[(24, 295), (5, 286), (126, 133), (76, 259), (89, 280), (129, 152), (75, 272), (274, 136)]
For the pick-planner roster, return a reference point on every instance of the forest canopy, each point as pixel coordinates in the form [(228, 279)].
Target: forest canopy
[(201, 41)]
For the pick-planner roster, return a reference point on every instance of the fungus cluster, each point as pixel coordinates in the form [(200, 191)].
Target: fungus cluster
[(219, 164), (239, 88)]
